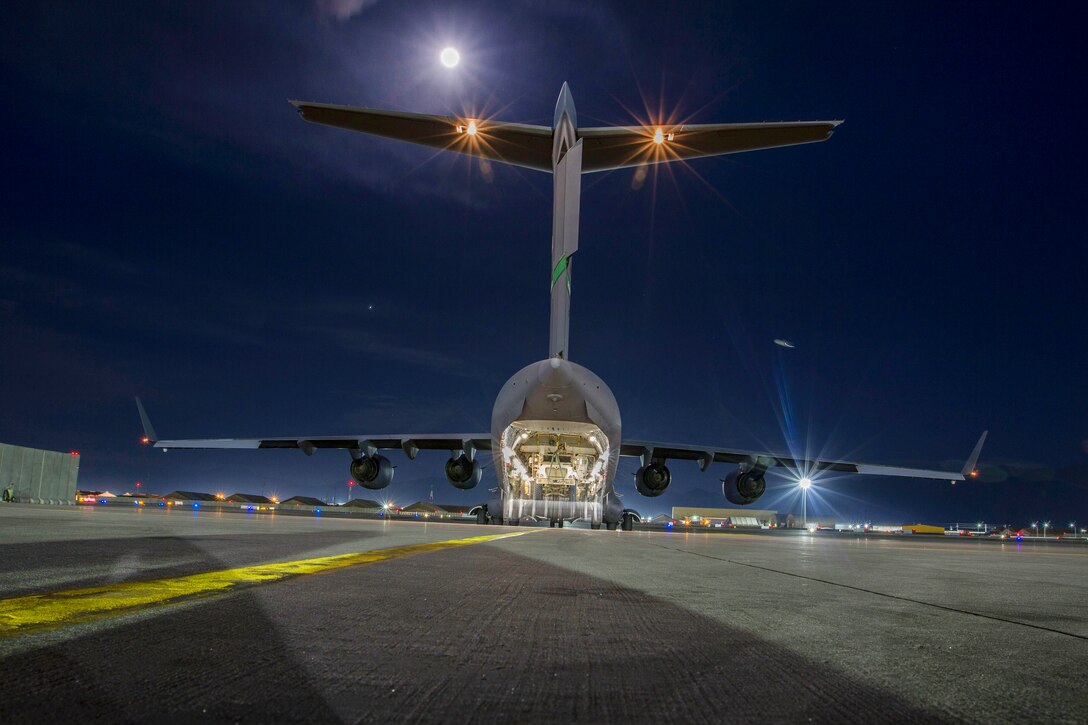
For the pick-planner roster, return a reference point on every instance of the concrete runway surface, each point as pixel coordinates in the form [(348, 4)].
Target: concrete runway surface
[(119, 615)]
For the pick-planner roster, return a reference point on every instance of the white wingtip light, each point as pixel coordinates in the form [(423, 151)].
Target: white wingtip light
[(805, 482), (449, 57)]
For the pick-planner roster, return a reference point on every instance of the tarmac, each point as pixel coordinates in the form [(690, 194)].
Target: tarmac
[(179, 615)]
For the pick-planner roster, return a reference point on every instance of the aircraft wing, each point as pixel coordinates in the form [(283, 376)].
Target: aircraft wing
[(511, 143), (605, 148), (617, 147), (410, 443), (803, 467)]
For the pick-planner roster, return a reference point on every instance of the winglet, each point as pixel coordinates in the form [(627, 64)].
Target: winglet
[(969, 467), (149, 430)]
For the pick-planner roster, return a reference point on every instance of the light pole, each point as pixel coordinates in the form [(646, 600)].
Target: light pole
[(1046, 525), (1035, 525), (805, 483), (351, 488)]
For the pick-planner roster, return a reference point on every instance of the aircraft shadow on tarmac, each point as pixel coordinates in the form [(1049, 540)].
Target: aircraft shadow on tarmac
[(476, 633)]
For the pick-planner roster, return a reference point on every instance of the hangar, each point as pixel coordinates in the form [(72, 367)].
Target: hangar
[(704, 516)]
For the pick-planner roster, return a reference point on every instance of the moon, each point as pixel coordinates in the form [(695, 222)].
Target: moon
[(449, 57)]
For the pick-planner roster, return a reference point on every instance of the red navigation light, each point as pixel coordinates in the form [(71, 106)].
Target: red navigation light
[(974, 473), (145, 440), (75, 453), (351, 483)]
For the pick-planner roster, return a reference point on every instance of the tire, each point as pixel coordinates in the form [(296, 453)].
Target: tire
[(559, 523), (595, 527), (515, 522), (628, 523), (481, 516), (611, 526)]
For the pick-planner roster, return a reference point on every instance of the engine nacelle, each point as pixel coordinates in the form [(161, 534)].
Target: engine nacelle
[(373, 472), (463, 472), (652, 479), (744, 487)]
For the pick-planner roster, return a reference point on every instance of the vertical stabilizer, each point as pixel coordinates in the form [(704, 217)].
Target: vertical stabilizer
[(567, 171)]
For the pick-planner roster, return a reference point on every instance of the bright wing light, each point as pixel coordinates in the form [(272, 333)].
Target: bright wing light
[(449, 57), (805, 482)]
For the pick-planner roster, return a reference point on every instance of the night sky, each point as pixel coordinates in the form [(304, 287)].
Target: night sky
[(172, 229)]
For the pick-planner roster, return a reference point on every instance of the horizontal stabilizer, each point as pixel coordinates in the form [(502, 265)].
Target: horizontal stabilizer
[(605, 148), (510, 143), (617, 147)]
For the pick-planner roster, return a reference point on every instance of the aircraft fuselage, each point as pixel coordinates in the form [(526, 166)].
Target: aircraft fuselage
[(555, 432)]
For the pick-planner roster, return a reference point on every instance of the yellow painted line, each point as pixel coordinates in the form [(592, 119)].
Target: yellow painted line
[(33, 612)]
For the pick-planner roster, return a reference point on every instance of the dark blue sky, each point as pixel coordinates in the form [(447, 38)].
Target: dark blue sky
[(172, 229)]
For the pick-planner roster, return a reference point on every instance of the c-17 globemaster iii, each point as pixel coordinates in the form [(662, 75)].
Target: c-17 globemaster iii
[(556, 437)]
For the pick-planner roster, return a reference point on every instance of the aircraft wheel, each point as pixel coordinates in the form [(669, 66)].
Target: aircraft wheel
[(611, 526), (559, 523), (481, 516), (495, 521), (595, 527), (551, 523), (515, 522), (628, 523)]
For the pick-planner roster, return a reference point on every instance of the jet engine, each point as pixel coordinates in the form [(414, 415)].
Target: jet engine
[(373, 472), (463, 472), (746, 484), (652, 479)]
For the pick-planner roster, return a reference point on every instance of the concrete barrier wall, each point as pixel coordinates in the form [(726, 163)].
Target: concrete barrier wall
[(39, 476)]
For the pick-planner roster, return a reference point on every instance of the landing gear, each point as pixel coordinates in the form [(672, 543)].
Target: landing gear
[(595, 527), (481, 515), (628, 522), (555, 524), (611, 525)]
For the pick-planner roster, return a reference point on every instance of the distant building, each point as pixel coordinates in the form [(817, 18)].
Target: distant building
[(715, 517), (794, 521), (662, 520), (177, 498), (93, 496), (248, 498), (362, 504), (924, 529), (303, 501), (445, 511)]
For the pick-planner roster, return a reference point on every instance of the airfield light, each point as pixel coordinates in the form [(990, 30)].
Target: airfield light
[(805, 482), (471, 130), (75, 453), (145, 440), (974, 473), (660, 136)]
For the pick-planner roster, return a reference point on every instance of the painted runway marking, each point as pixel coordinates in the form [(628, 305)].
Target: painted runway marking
[(34, 612)]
